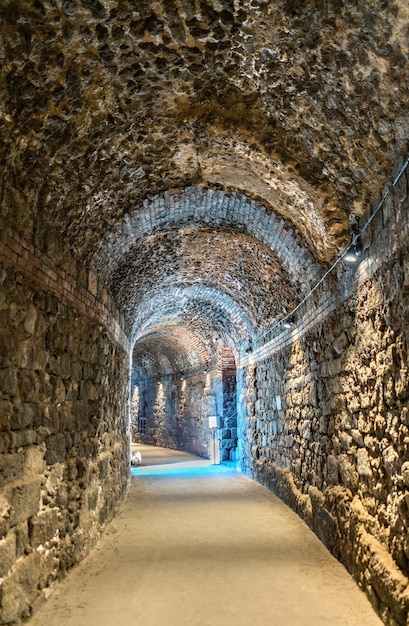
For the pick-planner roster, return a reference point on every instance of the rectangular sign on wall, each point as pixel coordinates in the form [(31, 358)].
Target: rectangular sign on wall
[(212, 421)]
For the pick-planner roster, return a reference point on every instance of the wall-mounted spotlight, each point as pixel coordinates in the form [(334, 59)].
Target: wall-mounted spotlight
[(288, 320), (206, 367), (182, 375), (354, 252), (288, 323)]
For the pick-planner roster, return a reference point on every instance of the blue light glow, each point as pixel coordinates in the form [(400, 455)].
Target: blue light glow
[(194, 469)]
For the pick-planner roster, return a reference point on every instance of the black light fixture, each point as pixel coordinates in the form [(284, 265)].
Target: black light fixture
[(354, 252), (288, 322)]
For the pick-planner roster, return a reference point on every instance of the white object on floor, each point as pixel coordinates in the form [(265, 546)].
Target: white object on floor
[(136, 458)]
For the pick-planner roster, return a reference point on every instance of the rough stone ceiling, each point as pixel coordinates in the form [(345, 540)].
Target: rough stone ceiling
[(166, 353), (241, 268), (106, 105)]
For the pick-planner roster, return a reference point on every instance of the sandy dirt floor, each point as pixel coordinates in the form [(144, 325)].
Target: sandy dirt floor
[(201, 545)]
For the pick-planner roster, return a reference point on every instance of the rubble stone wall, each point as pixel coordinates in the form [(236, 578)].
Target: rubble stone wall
[(64, 447), (175, 413), (324, 423)]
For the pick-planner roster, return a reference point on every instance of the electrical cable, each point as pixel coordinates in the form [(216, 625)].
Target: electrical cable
[(356, 236)]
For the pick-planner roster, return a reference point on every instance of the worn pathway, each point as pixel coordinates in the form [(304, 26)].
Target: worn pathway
[(201, 545)]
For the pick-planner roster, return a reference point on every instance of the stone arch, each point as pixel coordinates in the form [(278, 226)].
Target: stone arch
[(211, 209)]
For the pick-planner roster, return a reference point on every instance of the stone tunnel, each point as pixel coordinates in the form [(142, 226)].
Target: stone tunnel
[(183, 184)]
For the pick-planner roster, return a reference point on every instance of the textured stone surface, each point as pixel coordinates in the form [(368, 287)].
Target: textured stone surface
[(264, 87), (7, 553), (180, 175), (109, 109), (324, 424), (173, 410), (64, 455)]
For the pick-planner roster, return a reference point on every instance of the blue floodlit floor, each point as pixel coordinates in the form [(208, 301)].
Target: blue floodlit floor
[(201, 545)]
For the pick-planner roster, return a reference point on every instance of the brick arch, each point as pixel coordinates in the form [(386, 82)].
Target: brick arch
[(167, 304), (212, 209), (187, 349), (231, 262)]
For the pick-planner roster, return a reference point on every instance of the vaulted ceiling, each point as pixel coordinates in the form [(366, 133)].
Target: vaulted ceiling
[(206, 157)]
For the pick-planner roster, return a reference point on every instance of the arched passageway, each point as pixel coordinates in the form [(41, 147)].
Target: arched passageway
[(179, 184), (182, 402)]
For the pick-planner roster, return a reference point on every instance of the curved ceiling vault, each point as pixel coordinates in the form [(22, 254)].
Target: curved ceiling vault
[(205, 157)]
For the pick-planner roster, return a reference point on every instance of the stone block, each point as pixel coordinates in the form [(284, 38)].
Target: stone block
[(8, 381), (357, 437), (59, 394), (54, 481), (22, 438), (349, 476), (25, 354), (390, 459), (20, 588), (56, 449), (4, 527), (29, 387), (93, 497), (363, 463), (34, 459), (52, 419), (48, 571), (88, 391), (17, 313), (6, 411), (103, 465), (405, 412), (22, 416), (7, 348), (53, 365), (43, 527), (81, 412), (39, 602), (65, 365), (40, 360), (341, 343), (405, 473), (7, 553), (72, 391), (24, 498), (76, 371), (46, 387), (11, 467), (332, 470)]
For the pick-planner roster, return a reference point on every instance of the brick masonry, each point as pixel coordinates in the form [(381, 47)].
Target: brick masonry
[(210, 209), (42, 271)]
